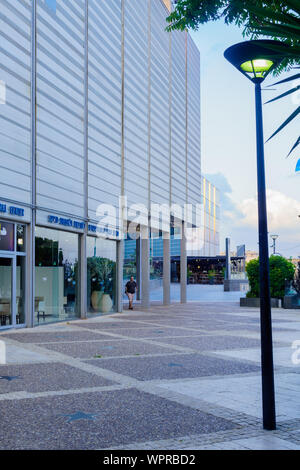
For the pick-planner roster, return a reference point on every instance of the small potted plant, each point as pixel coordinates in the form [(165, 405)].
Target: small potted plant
[(101, 274), (211, 276)]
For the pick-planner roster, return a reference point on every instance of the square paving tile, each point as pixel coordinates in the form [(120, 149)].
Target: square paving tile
[(213, 343), (174, 367), (57, 337), (45, 377), (155, 332), (93, 421), (108, 349), (101, 325)]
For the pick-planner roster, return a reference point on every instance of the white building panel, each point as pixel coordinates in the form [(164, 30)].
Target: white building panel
[(160, 111), (105, 103), (60, 106), (178, 124), (15, 117), (136, 102), (194, 124)]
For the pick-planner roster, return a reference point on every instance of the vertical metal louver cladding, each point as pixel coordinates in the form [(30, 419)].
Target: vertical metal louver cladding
[(159, 132), (60, 106), (193, 124), (178, 61), (136, 101), (104, 103), (15, 110)]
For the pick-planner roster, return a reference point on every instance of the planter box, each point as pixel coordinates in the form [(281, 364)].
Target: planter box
[(236, 285), (255, 302), (291, 301)]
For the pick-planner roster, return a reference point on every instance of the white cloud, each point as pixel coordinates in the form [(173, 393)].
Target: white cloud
[(283, 212)]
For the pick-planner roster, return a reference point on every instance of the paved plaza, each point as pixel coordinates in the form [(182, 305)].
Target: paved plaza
[(179, 377)]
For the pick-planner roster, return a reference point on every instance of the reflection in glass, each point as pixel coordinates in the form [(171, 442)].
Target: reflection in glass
[(56, 275), (5, 292), (7, 236), (20, 290), (101, 275), (21, 247)]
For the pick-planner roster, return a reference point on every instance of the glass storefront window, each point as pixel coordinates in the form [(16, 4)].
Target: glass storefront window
[(56, 275), (101, 275)]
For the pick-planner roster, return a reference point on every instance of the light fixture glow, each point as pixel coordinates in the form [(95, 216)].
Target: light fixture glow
[(257, 65)]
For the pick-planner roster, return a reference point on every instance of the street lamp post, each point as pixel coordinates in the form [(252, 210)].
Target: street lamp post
[(256, 59), (274, 238)]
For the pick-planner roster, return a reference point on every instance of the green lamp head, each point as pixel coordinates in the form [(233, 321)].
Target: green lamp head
[(256, 59)]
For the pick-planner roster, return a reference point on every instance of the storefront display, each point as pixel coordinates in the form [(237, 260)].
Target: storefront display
[(56, 275), (101, 275)]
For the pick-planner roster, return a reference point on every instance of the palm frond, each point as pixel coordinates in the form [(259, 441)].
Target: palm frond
[(286, 122), (292, 90), (289, 79), (295, 146)]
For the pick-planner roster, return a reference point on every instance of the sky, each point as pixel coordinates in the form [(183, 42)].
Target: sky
[(229, 146)]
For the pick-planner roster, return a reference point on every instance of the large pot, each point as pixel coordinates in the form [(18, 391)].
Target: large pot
[(106, 303), (96, 300)]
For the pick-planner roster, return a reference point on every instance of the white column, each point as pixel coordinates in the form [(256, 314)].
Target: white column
[(228, 260), (119, 276), (138, 268), (145, 267), (82, 277), (166, 270), (183, 267)]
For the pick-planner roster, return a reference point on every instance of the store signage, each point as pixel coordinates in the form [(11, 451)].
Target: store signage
[(103, 230), (12, 210), (53, 219)]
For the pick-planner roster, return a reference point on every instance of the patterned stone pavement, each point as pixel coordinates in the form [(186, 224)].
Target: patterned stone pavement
[(183, 377)]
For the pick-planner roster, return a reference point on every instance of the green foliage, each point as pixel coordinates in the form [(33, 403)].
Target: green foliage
[(281, 270), (252, 270), (101, 272), (211, 273)]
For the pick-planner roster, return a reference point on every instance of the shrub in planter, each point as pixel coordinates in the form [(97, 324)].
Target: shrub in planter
[(296, 283), (280, 270)]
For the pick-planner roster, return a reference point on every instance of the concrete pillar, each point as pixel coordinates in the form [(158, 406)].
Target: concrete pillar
[(145, 267), (30, 274), (119, 276), (167, 271), (183, 267), (138, 268), (228, 260), (82, 277)]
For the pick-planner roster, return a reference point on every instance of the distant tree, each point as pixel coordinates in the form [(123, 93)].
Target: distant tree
[(281, 270), (273, 19)]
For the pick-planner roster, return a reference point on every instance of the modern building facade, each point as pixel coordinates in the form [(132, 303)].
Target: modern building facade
[(207, 244), (98, 102)]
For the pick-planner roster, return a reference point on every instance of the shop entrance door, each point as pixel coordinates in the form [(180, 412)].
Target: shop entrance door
[(7, 291)]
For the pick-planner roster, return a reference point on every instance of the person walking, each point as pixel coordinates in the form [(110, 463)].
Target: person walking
[(130, 290)]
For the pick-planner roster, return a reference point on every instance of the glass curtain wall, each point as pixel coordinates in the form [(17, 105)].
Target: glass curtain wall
[(56, 275), (101, 275)]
